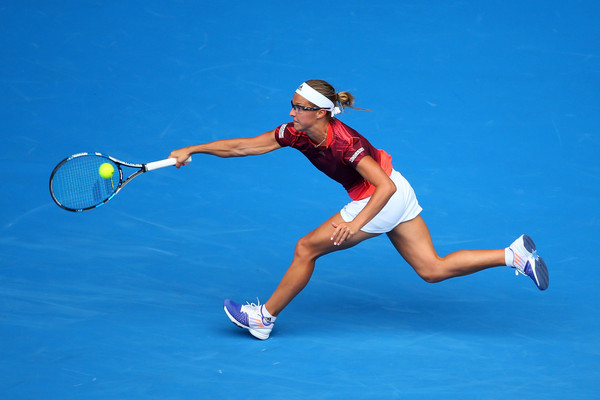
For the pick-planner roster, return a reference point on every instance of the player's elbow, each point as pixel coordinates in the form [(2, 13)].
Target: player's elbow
[(241, 149), (246, 147), (389, 188), (237, 152), (245, 151), (393, 187)]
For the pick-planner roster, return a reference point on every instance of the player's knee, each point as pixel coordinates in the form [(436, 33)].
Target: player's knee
[(305, 249), (431, 278), (431, 271)]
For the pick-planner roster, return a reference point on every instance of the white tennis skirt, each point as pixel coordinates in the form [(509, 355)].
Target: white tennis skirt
[(402, 206)]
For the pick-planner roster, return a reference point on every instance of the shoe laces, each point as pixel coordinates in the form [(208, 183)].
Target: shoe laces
[(251, 306)]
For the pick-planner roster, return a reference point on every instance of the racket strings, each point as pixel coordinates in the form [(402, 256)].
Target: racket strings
[(77, 184)]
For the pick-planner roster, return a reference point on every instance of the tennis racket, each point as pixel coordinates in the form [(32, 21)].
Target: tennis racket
[(84, 181)]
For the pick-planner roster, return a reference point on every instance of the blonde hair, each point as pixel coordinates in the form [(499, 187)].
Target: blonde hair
[(344, 99)]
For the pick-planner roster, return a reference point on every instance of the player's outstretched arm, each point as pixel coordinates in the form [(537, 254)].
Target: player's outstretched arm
[(239, 147)]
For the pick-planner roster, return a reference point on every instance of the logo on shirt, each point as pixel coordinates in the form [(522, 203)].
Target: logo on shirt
[(282, 131), (356, 154)]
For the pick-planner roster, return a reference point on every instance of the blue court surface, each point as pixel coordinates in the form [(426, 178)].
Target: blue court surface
[(489, 108)]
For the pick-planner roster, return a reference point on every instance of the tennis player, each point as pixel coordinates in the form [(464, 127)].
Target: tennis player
[(382, 202)]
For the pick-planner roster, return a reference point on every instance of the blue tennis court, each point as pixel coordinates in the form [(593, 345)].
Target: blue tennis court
[(490, 109)]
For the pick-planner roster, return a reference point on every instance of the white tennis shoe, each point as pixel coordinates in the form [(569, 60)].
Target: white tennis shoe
[(528, 262)]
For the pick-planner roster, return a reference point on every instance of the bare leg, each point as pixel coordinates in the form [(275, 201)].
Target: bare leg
[(312, 246), (413, 241)]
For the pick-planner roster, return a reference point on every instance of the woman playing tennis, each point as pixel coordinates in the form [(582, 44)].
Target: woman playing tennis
[(382, 202)]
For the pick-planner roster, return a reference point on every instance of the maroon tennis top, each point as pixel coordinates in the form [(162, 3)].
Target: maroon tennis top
[(339, 156)]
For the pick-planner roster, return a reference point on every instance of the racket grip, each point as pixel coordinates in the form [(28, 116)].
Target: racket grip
[(168, 162)]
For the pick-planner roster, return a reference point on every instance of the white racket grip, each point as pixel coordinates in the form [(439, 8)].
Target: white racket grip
[(168, 162)]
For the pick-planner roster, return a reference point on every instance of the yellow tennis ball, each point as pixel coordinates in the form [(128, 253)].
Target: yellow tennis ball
[(106, 170)]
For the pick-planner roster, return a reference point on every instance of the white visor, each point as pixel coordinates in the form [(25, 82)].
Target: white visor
[(317, 98)]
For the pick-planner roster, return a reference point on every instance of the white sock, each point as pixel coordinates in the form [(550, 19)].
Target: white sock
[(509, 257), (266, 314)]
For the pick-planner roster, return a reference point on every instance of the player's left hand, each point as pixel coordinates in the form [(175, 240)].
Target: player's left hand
[(342, 232)]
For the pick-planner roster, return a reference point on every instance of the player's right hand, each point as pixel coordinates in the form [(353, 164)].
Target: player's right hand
[(181, 155)]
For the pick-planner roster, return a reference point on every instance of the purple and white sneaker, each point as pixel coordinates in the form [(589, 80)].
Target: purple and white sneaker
[(528, 262), (250, 316)]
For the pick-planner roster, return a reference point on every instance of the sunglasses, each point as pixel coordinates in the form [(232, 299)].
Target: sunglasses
[(299, 109)]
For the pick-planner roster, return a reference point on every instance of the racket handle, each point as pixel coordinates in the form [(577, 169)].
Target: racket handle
[(168, 162)]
